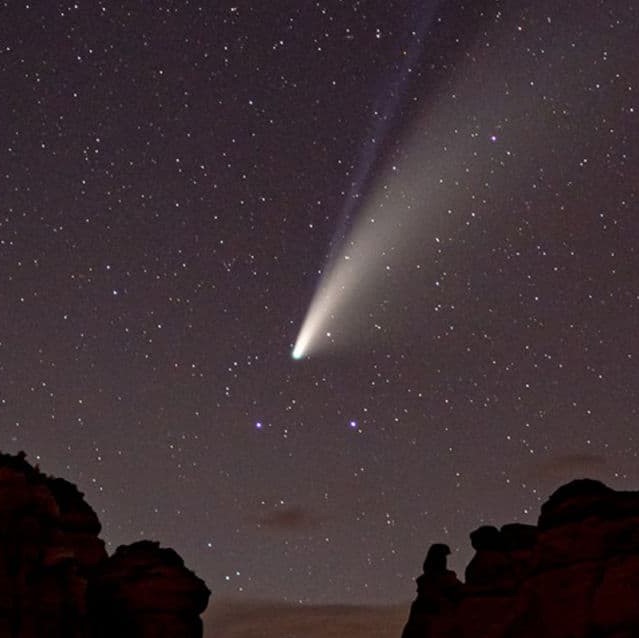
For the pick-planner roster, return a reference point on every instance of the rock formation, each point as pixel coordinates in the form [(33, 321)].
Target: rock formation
[(56, 579), (574, 575), (143, 587), (437, 591)]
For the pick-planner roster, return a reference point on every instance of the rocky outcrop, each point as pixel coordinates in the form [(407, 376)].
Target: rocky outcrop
[(438, 592), (143, 587), (42, 578), (574, 575), (56, 579)]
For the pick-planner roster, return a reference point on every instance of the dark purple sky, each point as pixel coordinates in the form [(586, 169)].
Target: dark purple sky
[(173, 175)]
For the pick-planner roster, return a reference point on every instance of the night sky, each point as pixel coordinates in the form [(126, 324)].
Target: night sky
[(174, 178)]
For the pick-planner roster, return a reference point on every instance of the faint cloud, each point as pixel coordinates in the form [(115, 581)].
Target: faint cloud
[(571, 466), (263, 619), (289, 519)]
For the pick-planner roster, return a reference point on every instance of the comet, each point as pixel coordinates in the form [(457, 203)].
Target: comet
[(452, 165), (352, 277), (346, 272)]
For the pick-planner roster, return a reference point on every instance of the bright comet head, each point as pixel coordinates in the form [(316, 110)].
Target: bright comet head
[(303, 339)]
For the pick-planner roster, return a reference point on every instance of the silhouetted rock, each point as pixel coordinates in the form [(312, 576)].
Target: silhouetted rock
[(52, 562), (491, 568), (79, 524), (575, 575), (437, 592), (486, 538), (518, 537), (574, 502), (42, 577), (143, 587)]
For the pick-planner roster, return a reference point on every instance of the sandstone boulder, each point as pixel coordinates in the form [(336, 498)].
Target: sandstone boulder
[(56, 579), (575, 575), (145, 590)]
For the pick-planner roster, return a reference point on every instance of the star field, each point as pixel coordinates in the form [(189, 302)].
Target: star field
[(173, 177)]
